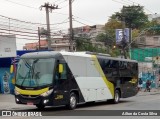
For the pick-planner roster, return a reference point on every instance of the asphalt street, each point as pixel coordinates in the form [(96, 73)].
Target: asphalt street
[(142, 101)]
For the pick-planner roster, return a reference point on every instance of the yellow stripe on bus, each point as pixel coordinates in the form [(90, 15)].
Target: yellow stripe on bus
[(98, 67), (31, 92)]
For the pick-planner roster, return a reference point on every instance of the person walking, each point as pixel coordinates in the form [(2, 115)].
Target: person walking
[(148, 85), (140, 83)]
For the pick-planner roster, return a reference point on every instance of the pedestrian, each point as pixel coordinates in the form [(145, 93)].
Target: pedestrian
[(148, 85), (140, 84)]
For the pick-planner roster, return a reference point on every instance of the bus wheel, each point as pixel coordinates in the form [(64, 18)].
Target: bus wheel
[(72, 101), (40, 106), (116, 97)]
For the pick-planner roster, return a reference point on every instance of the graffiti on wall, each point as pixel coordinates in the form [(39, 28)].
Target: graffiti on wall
[(6, 81)]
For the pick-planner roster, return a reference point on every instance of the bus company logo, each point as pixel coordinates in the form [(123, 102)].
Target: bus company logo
[(6, 113), (134, 80)]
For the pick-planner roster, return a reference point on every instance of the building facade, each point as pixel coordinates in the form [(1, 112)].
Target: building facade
[(88, 31), (57, 44), (148, 41)]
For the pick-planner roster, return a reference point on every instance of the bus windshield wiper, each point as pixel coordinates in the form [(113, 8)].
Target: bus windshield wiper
[(24, 79), (33, 72), (29, 67)]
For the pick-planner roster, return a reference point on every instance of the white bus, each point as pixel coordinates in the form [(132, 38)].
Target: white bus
[(54, 78)]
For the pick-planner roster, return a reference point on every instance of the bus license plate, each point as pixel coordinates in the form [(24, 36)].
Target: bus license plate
[(29, 103)]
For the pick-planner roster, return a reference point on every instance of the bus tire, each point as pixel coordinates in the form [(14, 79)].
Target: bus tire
[(40, 106), (116, 97), (72, 101)]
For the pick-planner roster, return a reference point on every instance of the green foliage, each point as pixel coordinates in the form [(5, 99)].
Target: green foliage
[(84, 44), (134, 16), (104, 37), (115, 52), (110, 27), (154, 28)]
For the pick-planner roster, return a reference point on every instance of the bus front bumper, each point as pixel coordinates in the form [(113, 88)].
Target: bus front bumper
[(33, 100)]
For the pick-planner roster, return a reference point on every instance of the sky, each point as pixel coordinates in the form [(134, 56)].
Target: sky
[(85, 12)]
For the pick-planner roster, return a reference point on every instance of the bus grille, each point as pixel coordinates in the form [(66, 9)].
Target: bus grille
[(30, 96)]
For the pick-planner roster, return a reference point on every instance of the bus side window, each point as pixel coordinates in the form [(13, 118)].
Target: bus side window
[(115, 68), (63, 75)]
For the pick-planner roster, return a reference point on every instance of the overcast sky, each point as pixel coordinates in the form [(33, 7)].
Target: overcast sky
[(87, 12)]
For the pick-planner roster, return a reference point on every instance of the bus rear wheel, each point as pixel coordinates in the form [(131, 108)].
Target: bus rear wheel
[(72, 101), (116, 97)]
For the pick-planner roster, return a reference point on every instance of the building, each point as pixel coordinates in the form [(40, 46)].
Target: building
[(61, 43), (154, 17), (149, 64), (148, 41), (88, 31)]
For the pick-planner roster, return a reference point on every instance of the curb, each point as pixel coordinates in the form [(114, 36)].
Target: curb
[(148, 93)]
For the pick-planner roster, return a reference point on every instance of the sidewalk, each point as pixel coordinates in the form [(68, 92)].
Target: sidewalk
[(7, 102), (153, 91)]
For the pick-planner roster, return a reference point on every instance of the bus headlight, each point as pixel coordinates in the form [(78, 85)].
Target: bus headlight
[(45, 94), (16, 92)]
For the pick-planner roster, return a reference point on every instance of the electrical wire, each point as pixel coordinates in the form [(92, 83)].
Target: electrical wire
[(80, 22), (120, 2), (21, 4), (139, 4), (84, 19)]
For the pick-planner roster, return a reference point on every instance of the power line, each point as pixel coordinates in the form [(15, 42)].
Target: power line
[(80, 22), (139, 4), (57, 1), (15, 27), (84, 19), (61, 2), (22, 21), (21, 4), (127, 2), (23, 36), (120, 2), (17, 31)]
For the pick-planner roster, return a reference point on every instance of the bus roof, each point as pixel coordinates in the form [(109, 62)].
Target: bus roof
[(54, 54)]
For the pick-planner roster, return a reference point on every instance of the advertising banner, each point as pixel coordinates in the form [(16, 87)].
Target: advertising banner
[(7, 46), (119, 35)]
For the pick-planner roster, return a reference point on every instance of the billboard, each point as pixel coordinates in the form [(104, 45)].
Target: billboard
[(7, 46), (119, 35)]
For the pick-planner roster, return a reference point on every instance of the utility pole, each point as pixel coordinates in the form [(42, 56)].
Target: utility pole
[(39, 36), (71, 29), (123, 38), (48, 8)]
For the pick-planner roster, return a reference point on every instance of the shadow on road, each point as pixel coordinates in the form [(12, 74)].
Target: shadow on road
[(83, 106)]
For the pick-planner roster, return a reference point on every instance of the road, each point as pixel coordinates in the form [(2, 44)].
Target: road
[(139, 102)]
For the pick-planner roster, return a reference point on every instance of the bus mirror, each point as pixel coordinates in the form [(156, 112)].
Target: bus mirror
[(13, 81), (60, 68), (11, 69)]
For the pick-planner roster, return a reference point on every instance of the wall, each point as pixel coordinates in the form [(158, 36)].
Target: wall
[(7, 78)]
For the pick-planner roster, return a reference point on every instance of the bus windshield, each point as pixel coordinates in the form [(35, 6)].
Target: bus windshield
[(35, 72)]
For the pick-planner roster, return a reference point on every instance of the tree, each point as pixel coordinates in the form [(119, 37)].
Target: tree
[(85, 44), (154, 28), (134, 16), (110, 27)]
